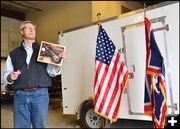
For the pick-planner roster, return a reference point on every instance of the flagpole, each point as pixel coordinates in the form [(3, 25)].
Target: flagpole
[(104, 124), (145, 7), (98, 22), (152, 84)]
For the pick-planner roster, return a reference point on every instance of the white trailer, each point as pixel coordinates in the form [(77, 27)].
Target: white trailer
[(127, 33)]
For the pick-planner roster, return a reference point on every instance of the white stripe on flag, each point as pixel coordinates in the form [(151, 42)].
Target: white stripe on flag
[(154, 67), (147, 104), (100, 74), (114, 104), (116, 100)]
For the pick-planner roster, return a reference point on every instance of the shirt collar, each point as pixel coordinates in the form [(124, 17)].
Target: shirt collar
[(26, 47)]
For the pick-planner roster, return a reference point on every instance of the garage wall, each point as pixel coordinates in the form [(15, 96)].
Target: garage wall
[(10, 35), (59, 16), (63, 15), (112, 8)]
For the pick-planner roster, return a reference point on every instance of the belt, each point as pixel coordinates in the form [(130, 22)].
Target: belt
[(30, 89)]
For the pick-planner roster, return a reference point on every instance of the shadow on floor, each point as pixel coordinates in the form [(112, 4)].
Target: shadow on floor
[(124, 123)]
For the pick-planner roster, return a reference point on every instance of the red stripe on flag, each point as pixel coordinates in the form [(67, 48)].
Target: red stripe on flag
[(115, 91), (122, 86), (109, 84), (147, 32), (97, 73), (114, 116), (101, 84), (156, 71), (124, 81), (148, 109)]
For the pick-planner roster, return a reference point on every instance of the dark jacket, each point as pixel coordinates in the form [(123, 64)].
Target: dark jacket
[(32, 75)]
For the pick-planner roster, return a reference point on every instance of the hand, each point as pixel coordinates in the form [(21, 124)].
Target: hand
[(57, 68), (13, 76), (63, 55)]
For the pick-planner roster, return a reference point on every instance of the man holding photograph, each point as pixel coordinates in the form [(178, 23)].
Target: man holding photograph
[(30, 80)]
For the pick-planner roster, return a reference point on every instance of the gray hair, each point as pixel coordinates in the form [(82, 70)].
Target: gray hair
[(22, 26)]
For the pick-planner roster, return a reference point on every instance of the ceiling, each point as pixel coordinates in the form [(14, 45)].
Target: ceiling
[(24, 6), (148, 3), (21, 6)]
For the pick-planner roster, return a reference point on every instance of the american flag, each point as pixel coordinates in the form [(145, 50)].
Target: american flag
[(110, 78), (155, 102)]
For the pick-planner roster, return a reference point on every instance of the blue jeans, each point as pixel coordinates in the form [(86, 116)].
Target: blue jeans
[(31, 107)]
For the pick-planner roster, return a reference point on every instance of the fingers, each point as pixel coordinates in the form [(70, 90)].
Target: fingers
[(63, 55), (14, 75), (57, 68), (17, 72)]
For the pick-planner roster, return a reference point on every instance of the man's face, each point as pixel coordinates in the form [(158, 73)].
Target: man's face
[(29, 31)]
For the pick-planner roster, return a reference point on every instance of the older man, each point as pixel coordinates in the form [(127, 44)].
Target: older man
[(30, 79)]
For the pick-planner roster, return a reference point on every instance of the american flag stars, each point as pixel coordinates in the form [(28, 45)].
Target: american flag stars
[(105, 48)]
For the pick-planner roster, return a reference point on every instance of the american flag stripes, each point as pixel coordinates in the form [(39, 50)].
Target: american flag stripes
[(155, 102), (111, 77)]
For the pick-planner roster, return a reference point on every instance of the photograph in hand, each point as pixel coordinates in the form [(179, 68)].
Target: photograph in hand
[(51, 53)]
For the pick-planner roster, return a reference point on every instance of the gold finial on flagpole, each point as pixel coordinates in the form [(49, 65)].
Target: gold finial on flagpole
[(60, 34), (145, 7), (98, 15)]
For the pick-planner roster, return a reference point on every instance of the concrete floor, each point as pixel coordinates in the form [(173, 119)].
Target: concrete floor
[(56, 119)]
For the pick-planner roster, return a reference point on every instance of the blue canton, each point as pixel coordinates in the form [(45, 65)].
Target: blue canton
[(105, 48)]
